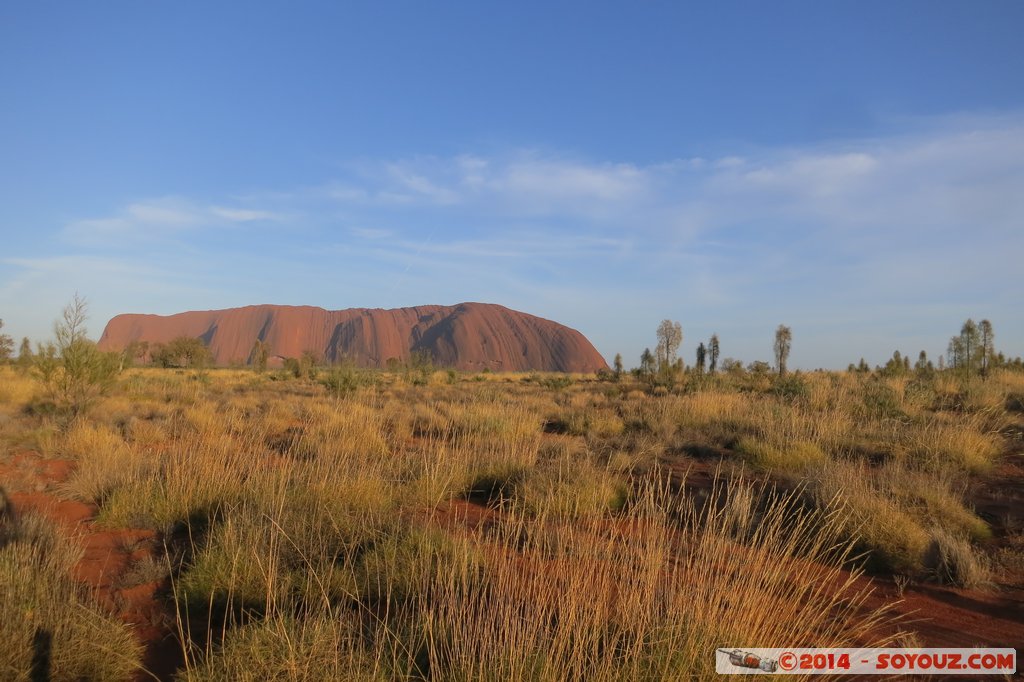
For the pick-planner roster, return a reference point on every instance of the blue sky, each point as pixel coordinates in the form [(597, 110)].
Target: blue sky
[(852, 169)]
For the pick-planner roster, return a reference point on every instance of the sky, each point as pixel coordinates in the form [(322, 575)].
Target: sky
[(852, 169)]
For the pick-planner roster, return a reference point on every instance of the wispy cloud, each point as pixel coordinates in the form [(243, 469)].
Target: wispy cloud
[(159, 218), (925, 222), (244, 215)]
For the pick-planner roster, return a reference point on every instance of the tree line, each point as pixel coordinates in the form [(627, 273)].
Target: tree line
[(970, 353), (664, 364)]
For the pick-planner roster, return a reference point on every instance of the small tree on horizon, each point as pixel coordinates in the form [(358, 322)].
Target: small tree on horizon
[(783, 343), (6, 345), (647, 365), (971, 342), (670, 337), (955, 352), (987, 346), (713, 351), (702, 354), (617, 366), (25, 355)]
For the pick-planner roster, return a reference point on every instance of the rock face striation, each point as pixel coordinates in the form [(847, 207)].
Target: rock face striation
[(468, 336)]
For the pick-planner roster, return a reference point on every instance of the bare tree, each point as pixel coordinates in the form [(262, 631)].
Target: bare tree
[(70, 328), (670, 337), (783, 342)]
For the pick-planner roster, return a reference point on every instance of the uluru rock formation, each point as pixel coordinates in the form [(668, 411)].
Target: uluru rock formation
[(468, 336)]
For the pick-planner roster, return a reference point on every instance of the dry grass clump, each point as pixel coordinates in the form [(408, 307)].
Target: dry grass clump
[(104, 462), (899, 514), (537, 598), (17, 389), (195, 476), (44, 618), (792, 458), (571, 489), (895, 538), (956, 562), (942, 441), (284, 648)]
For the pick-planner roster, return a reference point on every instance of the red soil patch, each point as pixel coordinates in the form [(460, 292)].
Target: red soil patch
[(30, 484)]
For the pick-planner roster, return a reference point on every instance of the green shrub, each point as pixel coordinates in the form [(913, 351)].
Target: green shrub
[(345, 380)]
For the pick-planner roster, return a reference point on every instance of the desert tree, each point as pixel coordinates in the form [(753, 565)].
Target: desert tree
[(670, 337), (617, 366), (898, 364), (183, 351), (713, 352), (942, 363), (971, 340), (986, 348), (6, 345), (783, 343), (259, 354), (70, 328), (73, 370), (135, 350), (759, 367), (647, 364), (923, 364), (955, 352), (25, 355), (308, 362), (702, 354)]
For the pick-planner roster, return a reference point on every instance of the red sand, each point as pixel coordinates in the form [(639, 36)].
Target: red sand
[(31, 484)]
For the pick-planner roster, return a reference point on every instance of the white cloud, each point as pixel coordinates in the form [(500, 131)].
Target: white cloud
[(171, 212), (159, 218), (542, 180), (243, 215)]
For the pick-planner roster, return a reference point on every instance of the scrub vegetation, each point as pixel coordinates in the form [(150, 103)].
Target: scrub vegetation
[(420, 524)]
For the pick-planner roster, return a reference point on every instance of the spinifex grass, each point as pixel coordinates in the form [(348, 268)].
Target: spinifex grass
[(511, 528)]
